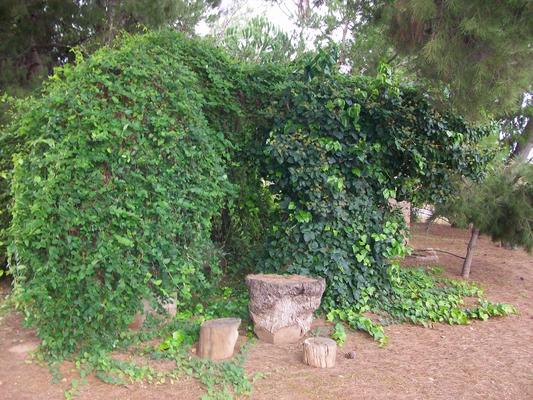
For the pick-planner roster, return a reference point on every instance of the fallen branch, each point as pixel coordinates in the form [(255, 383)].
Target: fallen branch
[(451, 254)]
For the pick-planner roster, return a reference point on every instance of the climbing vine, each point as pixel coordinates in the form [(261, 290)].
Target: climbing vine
[(419, 297), (345, 148)]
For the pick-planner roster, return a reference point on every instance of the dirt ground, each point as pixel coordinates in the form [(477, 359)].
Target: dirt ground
[(484, 360)]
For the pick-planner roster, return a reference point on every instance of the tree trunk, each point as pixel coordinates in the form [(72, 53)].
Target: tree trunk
[(112, 15), (470, 253)]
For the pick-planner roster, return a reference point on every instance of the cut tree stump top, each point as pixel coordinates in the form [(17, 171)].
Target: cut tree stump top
[(286, 283), (280, 279), (222, 322), (218, 338), (320, 352), (282, 306)]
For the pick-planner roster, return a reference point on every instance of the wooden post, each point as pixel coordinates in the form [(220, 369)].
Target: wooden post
[(320, 352), (218, 338), (470, 253)]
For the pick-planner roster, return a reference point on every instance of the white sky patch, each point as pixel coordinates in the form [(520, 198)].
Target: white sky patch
[(282, 14), (238, 12)]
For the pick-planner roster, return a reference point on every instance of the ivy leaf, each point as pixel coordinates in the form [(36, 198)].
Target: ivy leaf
[(123, 240)]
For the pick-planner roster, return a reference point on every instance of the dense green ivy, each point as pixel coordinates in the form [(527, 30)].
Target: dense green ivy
[(10, 143), (345, 147), (420, 297), (114, 197)]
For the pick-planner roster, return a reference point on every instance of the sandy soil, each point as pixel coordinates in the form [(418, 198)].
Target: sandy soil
[(484, 360)]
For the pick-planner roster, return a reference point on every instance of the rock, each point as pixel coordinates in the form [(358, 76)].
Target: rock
[(350, 355), (24, 348), (320, 352), (282, 306), (218, 338), (423, 255), (139, 318)]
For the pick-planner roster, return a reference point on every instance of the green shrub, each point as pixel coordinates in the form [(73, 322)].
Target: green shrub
[(115, 194), (500, 206)]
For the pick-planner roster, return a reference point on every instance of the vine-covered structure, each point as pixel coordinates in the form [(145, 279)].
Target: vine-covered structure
[(152, 168)]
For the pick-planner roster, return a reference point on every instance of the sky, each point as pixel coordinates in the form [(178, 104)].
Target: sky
[(243, 10), (281, 13)]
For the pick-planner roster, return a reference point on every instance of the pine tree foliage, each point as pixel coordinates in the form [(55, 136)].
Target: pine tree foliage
[(480, 50), (501, 206)]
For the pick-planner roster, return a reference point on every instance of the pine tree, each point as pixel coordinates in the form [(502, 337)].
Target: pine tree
[(501, 206), (478, 52)]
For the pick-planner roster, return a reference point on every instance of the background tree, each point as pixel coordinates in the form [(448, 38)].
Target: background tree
[(501, 206), (38, 35), (258, 41), (477, 52), (517, 129), (355, 27), (474, 56)]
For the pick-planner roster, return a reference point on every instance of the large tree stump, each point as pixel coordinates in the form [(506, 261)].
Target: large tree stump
[(282, 306), (218, 338), (320, 352)]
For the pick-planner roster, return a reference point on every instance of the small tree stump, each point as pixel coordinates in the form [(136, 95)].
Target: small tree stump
[(218, 338), (320, 352)]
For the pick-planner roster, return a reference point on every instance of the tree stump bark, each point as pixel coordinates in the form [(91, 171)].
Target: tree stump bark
[(218, 338), (282, 306), (320, 352), (423, 256)]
